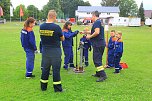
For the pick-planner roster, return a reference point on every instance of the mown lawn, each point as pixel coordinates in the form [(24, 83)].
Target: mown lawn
[(133, 84)]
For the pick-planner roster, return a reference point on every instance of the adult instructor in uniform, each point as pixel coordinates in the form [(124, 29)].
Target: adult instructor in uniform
[(51, 35), (98, 43)]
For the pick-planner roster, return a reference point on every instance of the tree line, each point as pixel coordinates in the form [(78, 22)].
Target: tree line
[(66, 8)]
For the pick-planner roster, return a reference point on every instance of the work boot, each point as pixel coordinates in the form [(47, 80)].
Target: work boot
[(101, 79), (116, 72), (96, 75), (58, 88), (43, 86)]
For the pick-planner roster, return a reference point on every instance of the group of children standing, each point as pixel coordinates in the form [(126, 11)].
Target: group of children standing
[(115, 50)]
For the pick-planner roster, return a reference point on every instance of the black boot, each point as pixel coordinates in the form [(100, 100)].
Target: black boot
[(43, 86), (58, 88), (102, 77), (96, 75)]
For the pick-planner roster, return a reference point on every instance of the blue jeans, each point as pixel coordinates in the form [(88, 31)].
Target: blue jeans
[(30, 56)]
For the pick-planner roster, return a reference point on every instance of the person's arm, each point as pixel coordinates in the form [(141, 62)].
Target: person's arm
[(62, 38), (32, 40), (59, 31), (97, 27)]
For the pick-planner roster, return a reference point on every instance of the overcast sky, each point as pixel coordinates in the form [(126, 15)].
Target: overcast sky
[(41, 3)]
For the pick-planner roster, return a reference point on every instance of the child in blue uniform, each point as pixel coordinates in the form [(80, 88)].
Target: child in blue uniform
[(111, 49), (67, 44), (29, 45), (118, 51), (87, 46)]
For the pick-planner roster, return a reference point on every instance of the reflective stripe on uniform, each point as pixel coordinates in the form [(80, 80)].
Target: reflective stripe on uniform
[(44, 81), (56, 83), (100, 68), (29, 72), (116, 68)]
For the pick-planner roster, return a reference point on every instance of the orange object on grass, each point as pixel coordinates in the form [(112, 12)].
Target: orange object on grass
[(123, 65)]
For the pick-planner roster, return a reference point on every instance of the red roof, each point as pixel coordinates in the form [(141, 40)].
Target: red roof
[(148, 13)]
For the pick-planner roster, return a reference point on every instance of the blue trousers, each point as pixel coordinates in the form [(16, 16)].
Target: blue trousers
[(85, 54), (117, 59), (68, 56), (111, 58), (51, 57), (30, 56)]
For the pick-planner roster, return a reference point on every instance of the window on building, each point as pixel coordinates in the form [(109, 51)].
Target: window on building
[(88, 12), (108, 13)]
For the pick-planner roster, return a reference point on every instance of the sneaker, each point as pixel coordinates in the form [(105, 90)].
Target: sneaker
[(101, 79), (116, 72), (30, 76)]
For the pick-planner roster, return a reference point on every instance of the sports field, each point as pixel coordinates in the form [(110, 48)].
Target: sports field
[(132, 84)]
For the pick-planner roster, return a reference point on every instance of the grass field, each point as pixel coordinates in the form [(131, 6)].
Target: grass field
[(133, 84)]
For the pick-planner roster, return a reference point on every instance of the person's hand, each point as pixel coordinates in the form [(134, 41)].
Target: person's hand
[(36, 52), (76, 32), (90, 49), (88, 36)]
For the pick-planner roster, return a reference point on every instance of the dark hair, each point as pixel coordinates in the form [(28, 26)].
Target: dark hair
[(113, 31), (66, 25), (96, 13), (28, 21)]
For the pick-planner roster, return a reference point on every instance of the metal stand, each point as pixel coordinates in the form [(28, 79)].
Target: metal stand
[(79, 69)]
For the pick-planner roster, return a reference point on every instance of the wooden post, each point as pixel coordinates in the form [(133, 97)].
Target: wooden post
[(107, 37)]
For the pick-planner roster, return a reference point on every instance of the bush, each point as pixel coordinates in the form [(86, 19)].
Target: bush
[(79, 23)]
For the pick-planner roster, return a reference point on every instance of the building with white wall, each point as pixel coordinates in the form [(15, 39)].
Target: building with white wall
[(85, 11)]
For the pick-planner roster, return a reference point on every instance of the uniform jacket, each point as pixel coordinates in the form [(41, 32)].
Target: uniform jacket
[(28, 39), (87, 43), (68, 34), (118, 47)]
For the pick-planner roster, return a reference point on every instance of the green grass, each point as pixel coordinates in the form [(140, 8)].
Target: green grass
[(133, 84)]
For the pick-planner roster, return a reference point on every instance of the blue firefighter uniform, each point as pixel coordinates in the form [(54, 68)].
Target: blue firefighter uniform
[(118, 54), (50, 34), (98, 44), (111, 51), (87, 46), (29, 45), (67, 47)]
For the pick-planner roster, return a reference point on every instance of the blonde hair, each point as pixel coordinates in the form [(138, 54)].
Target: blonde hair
[(52, 14), (120, 33)]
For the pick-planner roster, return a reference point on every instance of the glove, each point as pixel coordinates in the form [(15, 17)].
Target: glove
[(90, 48), (76, 32)]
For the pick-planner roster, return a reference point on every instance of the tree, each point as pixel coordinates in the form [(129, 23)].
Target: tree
[(68, 7), (33, 11), (109, 3), (128, 8), (52, 4), (141, 12), (17, 13), (5, 4)]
